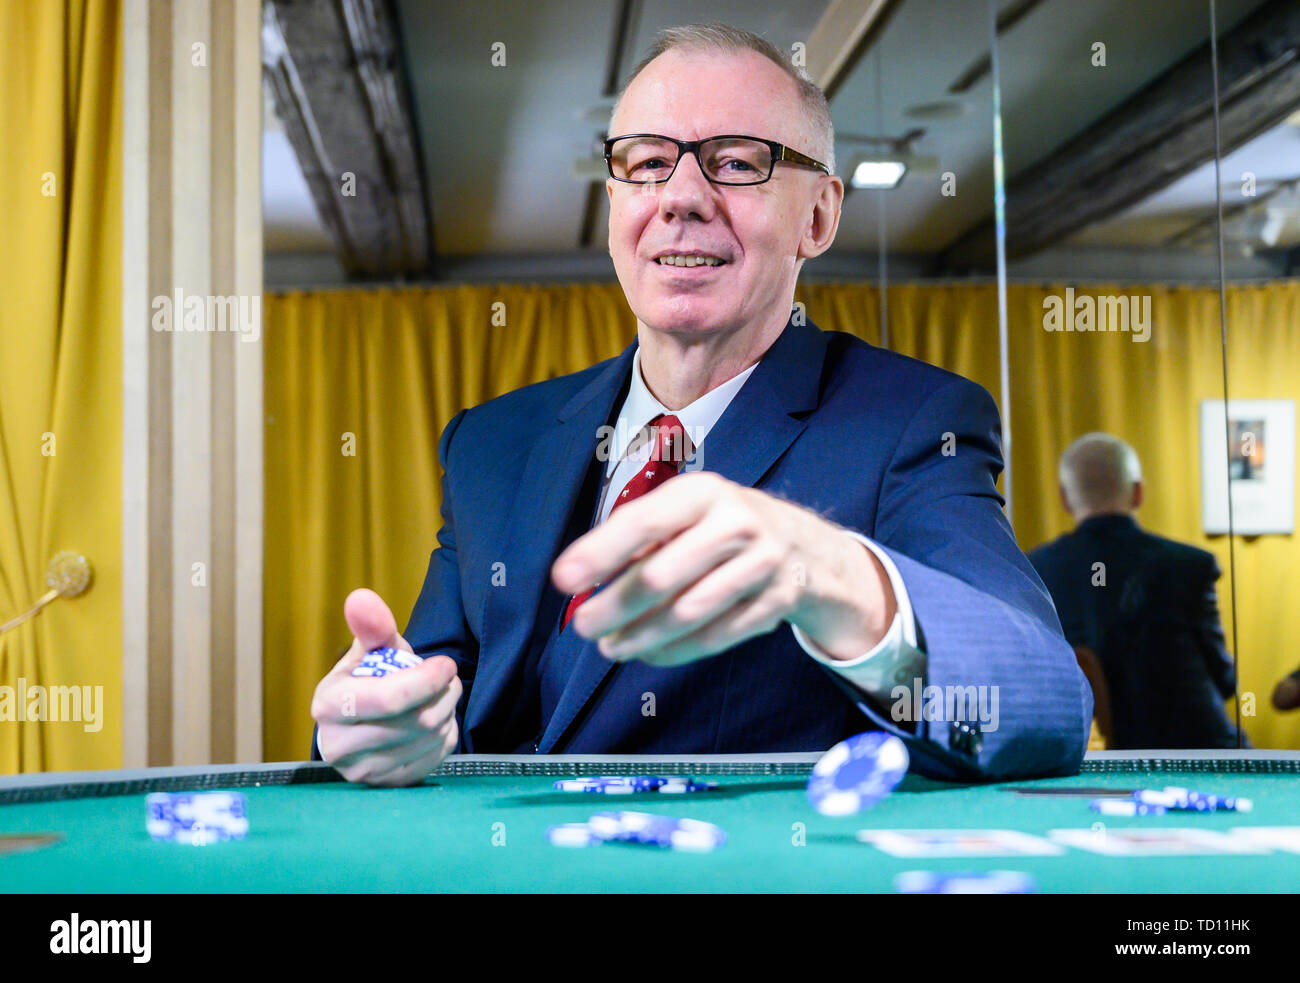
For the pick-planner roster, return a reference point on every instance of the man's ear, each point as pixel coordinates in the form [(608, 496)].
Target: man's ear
[(825, 220), (1137, 495), (1065, 500)]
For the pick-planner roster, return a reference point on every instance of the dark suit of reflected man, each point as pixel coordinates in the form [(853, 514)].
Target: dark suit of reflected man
[(1140, 610)]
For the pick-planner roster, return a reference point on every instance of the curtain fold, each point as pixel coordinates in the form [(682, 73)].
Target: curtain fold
[(392, 366), (60, 375)]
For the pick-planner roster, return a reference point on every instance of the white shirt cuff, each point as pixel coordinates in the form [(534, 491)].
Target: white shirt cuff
[(895, 657)]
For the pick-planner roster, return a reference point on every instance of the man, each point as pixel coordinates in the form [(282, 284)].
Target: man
[(830, 539), (1143, 605)]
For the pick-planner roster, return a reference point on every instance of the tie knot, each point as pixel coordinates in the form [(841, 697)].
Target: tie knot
[(671, 442)]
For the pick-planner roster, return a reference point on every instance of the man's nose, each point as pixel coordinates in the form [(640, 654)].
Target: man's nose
[(687, 192)]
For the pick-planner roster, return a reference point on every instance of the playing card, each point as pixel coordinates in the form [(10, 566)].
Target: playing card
[(958, 843), (1285, 838), (1136, 842)]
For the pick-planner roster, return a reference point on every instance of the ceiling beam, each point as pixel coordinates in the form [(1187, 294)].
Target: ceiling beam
[(840, 38), (340, 89), (1150, 140)]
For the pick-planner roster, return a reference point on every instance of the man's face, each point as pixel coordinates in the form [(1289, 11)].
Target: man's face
[(761, 232)]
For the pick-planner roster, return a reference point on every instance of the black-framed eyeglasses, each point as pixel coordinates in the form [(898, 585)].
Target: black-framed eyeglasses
[(730, 159)]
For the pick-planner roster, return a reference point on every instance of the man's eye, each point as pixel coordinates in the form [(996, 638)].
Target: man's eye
[(737, 165), (653, 164)]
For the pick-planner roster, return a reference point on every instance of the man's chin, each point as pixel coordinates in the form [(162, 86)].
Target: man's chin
[(691, 317)]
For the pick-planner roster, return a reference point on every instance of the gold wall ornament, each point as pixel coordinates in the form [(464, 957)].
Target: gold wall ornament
[(68, 574)]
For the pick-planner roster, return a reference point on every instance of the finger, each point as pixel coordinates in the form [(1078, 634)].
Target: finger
[(366, 768), (731, 585), (419, 767), (652, 518), (350, 660), (371, 621), (756, 616), (350, 741), (381, 697), (664, 573)]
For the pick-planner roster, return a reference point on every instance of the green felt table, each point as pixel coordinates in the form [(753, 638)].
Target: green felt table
[(480, 825)]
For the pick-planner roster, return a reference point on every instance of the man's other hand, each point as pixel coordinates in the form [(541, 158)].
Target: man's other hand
[(390, 730)]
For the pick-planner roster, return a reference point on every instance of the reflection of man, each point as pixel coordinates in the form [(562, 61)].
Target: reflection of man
[(843, 538), (1146, 607)]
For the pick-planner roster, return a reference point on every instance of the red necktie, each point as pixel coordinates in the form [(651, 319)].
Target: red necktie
[(665, 462)]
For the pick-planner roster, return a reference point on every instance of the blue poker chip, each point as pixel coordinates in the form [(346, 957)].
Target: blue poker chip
[(382, 661), (599, 786), (572, 835), (965, 882), (666, 832), (857, 773), (196, 818), (1125, 807), (631, 784), (1188, 800)]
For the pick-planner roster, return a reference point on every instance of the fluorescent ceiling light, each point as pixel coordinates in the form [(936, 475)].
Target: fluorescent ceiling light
[(878, 174)]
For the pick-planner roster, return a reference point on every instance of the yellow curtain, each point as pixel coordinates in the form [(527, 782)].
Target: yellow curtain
[(359, 385), (390, 368), (60, 371)]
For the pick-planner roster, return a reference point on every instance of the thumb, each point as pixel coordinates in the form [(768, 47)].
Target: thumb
[(371, 622)]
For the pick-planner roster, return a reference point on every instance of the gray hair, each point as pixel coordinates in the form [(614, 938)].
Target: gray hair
[(1099, 470), (722, 37)]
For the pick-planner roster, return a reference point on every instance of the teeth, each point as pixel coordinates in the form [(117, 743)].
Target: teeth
[(689, 261)]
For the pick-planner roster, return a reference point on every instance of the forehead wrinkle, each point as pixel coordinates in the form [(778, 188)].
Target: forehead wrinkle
[(681, 100)]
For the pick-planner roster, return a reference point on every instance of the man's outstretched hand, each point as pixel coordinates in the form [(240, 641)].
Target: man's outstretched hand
[(702, 563), (390, 730)]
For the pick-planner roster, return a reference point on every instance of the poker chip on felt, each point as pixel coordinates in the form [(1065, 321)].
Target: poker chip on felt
[(1188, 800), (662, 831), (572, 835), (196, 818), (857, 773), (1125, 807), (964, 882), (382, 661), (630, 784)]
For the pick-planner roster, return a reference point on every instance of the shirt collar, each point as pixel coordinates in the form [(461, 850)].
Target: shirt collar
[(697, 418)]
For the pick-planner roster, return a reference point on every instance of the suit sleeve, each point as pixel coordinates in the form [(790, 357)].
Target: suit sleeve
[(1209, 632), (438, 625), (986, 624)]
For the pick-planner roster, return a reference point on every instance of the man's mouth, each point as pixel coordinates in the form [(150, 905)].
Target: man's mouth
[(688, 260)]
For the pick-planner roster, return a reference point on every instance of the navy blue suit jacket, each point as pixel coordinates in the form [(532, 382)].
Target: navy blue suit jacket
[(849, 430), (1154, 627)]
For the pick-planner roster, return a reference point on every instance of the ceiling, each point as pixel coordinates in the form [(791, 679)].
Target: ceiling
[(500, 143)]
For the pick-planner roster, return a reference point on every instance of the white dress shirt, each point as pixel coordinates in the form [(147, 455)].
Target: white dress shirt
[(893, 660)]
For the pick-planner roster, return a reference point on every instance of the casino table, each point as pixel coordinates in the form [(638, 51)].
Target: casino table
[(479, 825)]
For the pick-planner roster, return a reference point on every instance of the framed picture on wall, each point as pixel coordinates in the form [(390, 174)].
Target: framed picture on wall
[(1257, 452)]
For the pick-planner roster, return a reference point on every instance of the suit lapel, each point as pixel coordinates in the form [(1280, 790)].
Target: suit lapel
[(548, 491), (757, 427)]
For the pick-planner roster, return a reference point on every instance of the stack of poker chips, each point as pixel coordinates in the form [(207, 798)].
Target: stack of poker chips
[(641, 828), (857, 773), (631, 784), (196, 818), (382, 661), (1150, 802), (965, 882)]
